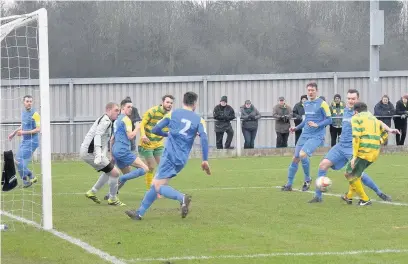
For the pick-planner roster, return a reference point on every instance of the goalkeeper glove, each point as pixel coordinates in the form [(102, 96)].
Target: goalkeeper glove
[(98, 159)]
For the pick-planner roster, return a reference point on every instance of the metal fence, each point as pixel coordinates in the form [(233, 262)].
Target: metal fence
[(76, 103)]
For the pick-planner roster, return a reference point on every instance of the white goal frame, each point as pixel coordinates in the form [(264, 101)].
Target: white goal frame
[(45, 142)]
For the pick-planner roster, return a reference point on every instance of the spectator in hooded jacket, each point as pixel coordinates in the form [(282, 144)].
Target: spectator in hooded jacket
[(283, 113), (401, 109), (383, 110), (250, 116), (337, 111), (298, 114), (223, 114)]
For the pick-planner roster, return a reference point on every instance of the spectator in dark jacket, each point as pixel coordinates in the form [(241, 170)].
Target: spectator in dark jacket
[(384, 108), (401, 108), (223, 114), (250, 116), (134, 117), (337, 111), (283, 113), (298, 113)]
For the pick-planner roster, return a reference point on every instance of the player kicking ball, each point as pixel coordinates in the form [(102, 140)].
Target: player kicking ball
[(183, 126), (342, 152), (368, 135), (317, 117), (94, 151)]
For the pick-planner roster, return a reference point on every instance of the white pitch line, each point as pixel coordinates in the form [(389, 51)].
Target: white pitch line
[(218, 189), (269, 255), (103, 255), (339, 195)]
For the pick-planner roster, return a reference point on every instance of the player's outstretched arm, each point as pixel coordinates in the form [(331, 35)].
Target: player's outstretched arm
[(100, 130), (204, 146), (298, 127), (12, 134), (388, 129), (158, 128)]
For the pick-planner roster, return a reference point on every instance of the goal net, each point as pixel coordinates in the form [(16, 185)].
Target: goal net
[(25, 79)]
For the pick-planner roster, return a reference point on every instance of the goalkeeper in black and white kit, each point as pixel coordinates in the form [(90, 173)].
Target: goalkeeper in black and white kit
[(94, 150)]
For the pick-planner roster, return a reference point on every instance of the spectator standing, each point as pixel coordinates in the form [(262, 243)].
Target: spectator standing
[(250, 116), (383, 110), (283, 113), (223, 114), (298, 114), (337, 111), (401, 109)]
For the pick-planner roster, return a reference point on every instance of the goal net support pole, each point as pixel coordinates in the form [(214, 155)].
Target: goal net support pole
[(42, 19)]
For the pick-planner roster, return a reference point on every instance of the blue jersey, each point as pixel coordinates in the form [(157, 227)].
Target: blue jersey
[(346, 137), (30, 120), (317, 111), (183, 125), (122, 125)]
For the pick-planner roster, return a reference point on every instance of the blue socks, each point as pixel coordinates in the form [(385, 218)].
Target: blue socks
[(292, 172), (132, 175), (367, 181), (306, 168), (147, 201), (321, 173), (169, 192)]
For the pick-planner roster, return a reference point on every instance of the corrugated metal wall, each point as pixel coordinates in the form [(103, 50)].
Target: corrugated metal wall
[(75, 101)]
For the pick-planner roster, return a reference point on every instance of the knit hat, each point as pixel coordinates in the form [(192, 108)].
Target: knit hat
[(224, 99), (337, 96), (247, 101), (281, 98)]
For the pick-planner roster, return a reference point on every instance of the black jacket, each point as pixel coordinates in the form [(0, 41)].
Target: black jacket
[(381, 109), (223, 116), (400, 109), (135, 117), (298, 112), (250, 120)]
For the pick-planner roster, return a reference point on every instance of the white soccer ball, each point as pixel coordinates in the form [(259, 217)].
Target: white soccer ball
[(323, 183)]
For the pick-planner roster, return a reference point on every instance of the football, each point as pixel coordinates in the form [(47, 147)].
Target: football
[(323, 183)]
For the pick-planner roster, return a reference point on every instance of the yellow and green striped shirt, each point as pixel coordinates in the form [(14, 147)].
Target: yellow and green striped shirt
[(149, 120), (368, 134)]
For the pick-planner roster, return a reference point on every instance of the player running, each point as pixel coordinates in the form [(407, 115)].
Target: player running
[(94, 151), (183, 126), (317, 117), (342, 152), (29, 129), (150, 145), (121, 148), (368, 135)]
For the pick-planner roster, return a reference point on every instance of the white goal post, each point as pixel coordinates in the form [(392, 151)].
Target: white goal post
[(8, 24)]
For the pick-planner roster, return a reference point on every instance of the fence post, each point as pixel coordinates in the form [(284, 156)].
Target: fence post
[(238, 135), (335, 83), (71, 147), (205, 99)]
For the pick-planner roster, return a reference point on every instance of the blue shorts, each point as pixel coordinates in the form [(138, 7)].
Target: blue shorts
[(308, 145), (339, 156), (167, 169), (123, 157), (26, 149)]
